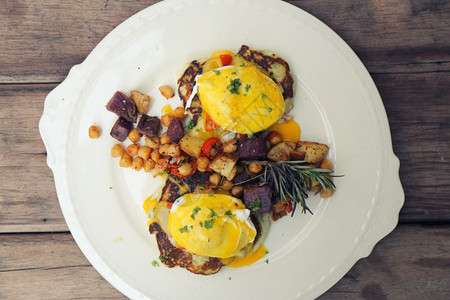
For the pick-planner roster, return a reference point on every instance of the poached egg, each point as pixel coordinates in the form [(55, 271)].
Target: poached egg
[(241, 98), (213, 225)]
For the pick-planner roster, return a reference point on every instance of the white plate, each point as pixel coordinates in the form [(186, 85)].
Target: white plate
[(336, 102)]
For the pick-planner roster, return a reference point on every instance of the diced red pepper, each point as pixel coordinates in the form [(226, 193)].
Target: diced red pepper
[(169, 205), (271, 135), (210, 125), (211, 142), (226, 59), (174, 169), (288, 206)]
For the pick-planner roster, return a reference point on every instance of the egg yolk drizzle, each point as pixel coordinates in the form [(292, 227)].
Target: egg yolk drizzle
[(289, 131), (249, 259)]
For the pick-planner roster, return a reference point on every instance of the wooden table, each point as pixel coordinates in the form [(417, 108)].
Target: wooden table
[(405, 44)]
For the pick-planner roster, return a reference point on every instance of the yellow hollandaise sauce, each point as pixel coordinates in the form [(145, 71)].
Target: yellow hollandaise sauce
[(211, 224), (241, 99)]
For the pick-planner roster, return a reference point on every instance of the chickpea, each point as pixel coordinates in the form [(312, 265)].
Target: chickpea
[(230, 146), (134, 135), (167, 91), (215, 179), (173, 150), (185, 169), (213, 152), (137, 163), (237, 190), (152, 142), (255, 168), (202, 163), (94, 132), (164, 149), (132, 150), (155, 155), (165, 138), (148, 165), (275, 138), (179, 113), (125, 161), (161, 165), (226, 185), (326, 194), (144, 152), (166, 119), (117, 150), (326, 164)]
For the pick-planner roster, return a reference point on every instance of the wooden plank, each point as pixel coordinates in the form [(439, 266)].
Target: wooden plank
[(48, 266), (411, 263), (418, 110), (28, 199), (390, 35), (420, 134), (41, 40)]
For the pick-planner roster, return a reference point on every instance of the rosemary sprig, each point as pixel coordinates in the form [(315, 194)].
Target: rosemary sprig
[(292, 179)]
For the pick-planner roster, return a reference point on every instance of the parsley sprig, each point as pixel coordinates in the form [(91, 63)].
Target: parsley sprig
[(234, 85)]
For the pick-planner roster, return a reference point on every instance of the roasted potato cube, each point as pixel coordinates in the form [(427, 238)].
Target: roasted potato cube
[(281, 151), (315, 152), (191, 145), (224, 164), (142, 101)]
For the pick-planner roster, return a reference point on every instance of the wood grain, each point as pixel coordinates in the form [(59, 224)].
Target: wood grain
[(48, 266), (59, 270), (42, 40), (418, 109), (28, 201)]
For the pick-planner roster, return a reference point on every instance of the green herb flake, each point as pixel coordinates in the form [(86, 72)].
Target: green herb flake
[(233, 73), (263, 96), (212, 214), (190, 125), (267, 261), (201, 224), (217, 72), (183, 229), (110, 187), (234, 85), (255, 206), (164, 258), (194, 212), (229, 213), (242, 65), (155, 263), (247, 87), (229, 278), (209, 223), (269, 109)]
